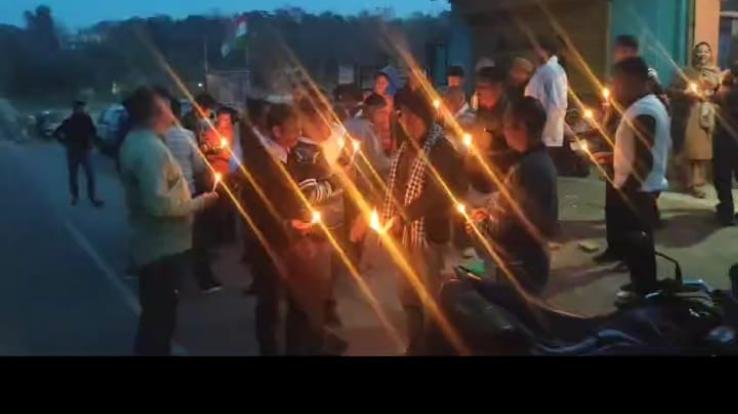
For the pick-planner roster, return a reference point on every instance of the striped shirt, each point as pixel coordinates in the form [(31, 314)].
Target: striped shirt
[(181, 143)]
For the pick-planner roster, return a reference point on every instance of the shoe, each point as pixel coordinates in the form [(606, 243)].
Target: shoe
[(74, 201), (97, 203), (214, 287), (608, 256), (621, 267)]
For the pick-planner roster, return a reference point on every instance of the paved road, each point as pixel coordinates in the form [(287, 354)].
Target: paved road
[(63, 288)]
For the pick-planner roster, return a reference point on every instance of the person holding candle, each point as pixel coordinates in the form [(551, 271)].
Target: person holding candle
[(694, 117), (315, 177), (642, 145), (419, 208), (532, 185), (626, 47), (550, 86), (160, 211), (486, 131), (181, 143), (365, 130)]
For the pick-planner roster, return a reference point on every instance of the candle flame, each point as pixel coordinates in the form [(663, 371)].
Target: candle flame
[(218, 177), (606, 93), (223, 143), (356, 145), (588, 114), (316, 218), (693, 87), (466, 139), (461, 208), (341, 142), (374, 221), (436, 103)]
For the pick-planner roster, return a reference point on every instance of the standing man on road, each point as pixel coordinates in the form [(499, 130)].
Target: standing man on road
[(550, 86), (419, 210), (77, 133), (160, 211), (642, 145)]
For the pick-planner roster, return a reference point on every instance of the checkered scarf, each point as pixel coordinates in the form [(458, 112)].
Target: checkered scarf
[(413, 233)]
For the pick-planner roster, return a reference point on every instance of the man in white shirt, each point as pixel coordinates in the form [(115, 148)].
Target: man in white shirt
[(642, 145), (550, 86)]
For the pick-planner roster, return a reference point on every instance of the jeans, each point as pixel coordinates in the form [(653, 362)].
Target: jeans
[(635, 214), (427, 263), (307, 286), (75, 158), (157, 294), (725, 167), (201, 242)]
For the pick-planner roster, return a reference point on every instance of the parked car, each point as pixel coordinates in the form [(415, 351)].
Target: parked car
[(47, 122), (109, 125)]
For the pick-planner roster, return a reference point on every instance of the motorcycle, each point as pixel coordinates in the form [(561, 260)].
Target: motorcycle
[(682, 317)]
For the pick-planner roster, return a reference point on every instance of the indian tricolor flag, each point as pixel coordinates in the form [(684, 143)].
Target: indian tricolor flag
[(237, 36)]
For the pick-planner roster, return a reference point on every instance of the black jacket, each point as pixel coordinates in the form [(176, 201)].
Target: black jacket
[(532, 185), (434, 204), (272, 218), (77, 132)]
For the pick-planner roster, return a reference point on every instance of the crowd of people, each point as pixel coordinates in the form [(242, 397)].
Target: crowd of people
[(298, 177)]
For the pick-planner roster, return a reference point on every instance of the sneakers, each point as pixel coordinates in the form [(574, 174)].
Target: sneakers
[(211, 288)]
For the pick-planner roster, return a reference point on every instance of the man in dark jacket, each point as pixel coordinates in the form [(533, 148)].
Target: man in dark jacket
[(419, 208), (77, 134), (487, 128), (522, 223)]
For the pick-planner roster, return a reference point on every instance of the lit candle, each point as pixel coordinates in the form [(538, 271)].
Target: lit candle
[(316, 217), (374, 222), (341, 142), (356, 145), (606, 93), (588, 114), (466, 139), (223, 143), (584, 145), (461, 208), (437, 103), (218, 178), (693, 87)]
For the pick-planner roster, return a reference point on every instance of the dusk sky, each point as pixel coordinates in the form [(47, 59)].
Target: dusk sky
[(80, 13)]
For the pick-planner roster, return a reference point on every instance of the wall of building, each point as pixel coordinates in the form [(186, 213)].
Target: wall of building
[(662, 26), (707, 22)]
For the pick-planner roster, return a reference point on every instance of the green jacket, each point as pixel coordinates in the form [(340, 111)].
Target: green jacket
[(160, 206)]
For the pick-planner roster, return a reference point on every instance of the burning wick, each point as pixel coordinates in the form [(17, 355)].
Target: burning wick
[(588, 114), (606, 93), (693, 87), (316, 218), (218, 178), (584, 145), (356, 145), (461, 208), (374, 222), (436, 103), (223, 143), (466, 139)]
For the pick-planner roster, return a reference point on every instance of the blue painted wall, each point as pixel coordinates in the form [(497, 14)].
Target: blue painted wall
[(655, 22), (461, 47)]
